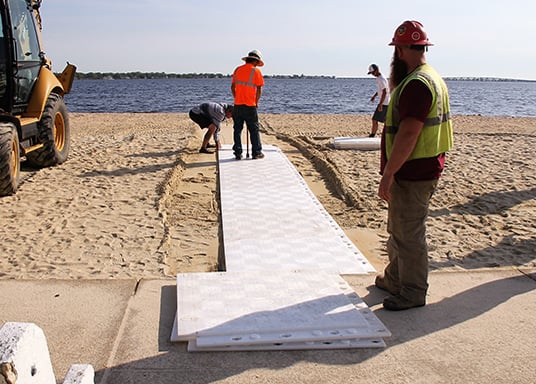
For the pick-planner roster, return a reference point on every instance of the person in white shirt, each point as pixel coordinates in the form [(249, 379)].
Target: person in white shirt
[(383, 94)]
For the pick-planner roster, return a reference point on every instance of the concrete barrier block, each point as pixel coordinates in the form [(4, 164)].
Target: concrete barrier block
[(25, 345), (80, 374)]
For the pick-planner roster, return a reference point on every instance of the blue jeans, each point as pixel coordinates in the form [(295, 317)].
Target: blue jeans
[(245, 114)]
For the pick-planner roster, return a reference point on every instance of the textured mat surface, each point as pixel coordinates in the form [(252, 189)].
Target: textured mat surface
[(252, 310), (272, 220), (283, 256)]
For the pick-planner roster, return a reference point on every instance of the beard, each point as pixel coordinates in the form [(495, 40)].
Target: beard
[(399, 71)]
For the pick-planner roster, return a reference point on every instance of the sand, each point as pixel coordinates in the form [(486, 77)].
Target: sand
[(135, 199)]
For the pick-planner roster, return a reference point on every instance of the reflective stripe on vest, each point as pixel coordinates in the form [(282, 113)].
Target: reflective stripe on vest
[(245, 80), (248, 83), (436, 136)]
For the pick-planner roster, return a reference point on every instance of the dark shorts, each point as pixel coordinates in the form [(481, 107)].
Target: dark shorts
[(200, 119), (380, 115)]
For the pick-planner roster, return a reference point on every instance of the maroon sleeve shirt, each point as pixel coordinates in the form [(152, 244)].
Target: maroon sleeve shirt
[(416, 101)]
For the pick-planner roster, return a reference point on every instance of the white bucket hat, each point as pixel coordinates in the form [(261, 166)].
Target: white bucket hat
[(256, 55)]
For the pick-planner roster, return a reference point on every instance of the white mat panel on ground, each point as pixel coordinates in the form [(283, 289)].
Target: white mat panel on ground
[(361, 143), (272, 220), (283, 256), (285, 310)]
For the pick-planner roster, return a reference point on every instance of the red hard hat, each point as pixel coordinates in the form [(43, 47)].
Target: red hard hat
[(410, 32)]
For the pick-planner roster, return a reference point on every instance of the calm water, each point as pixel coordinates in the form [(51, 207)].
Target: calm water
[(339, 96)]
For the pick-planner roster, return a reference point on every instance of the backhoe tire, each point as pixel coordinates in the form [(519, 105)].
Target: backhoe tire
[(54, 134), (9, 159)]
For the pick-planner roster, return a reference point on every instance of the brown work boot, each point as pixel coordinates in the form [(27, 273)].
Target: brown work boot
[(386, 285), (400, 303), (259, 155)]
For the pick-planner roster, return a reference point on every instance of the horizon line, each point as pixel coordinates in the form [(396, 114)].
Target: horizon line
[(290, 76)]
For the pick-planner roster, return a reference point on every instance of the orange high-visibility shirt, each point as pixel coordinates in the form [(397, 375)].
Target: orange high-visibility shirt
[(246, 79)]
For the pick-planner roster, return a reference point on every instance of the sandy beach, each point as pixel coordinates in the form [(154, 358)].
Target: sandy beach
[(136, 199)]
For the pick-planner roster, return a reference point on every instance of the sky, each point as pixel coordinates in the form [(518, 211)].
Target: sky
[(472, 38)]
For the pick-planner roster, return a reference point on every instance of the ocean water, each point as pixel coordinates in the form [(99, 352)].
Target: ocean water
[(319, 95)]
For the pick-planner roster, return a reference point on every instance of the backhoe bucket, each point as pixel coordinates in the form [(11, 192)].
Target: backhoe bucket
[(66, 78)]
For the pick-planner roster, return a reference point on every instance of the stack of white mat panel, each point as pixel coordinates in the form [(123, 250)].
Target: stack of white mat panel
[(360, 143), (284, 255)]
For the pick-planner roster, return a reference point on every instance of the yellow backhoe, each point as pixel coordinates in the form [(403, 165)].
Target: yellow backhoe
[(34, 123)]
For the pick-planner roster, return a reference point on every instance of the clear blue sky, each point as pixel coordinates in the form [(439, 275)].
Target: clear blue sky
[(489, 38)]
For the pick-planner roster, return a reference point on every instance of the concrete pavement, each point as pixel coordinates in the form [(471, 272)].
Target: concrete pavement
[(477, 327)]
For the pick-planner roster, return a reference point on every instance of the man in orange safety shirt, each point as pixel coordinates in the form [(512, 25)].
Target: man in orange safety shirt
[(247, 83)]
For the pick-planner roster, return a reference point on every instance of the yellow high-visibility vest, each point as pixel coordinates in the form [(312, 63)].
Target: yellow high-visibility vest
[(436, 136)]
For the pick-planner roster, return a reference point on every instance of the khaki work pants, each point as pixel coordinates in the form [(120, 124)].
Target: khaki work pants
[(406, 246)]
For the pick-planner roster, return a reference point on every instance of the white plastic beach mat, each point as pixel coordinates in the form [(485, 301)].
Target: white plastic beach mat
[(272, 220), (360, 143), (283, 310), (283, 256)]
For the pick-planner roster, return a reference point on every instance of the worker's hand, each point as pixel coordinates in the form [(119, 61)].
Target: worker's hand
[(384, 190), (380, 107)]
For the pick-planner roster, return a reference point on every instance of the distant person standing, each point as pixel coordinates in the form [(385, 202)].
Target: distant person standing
[(247, 83), (416, 136), (383, 94), (210, 115)]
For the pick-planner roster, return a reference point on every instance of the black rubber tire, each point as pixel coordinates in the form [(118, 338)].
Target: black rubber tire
[(9, 159), (54, 134)]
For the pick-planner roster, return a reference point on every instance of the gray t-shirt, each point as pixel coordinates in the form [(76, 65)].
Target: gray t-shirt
[(214, 111)]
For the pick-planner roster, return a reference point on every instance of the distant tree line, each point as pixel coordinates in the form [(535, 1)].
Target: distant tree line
[(163, 75), (484, 79), (147, 75)]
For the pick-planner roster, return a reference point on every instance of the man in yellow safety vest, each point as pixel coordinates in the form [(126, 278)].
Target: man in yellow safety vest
[(416, 136)]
